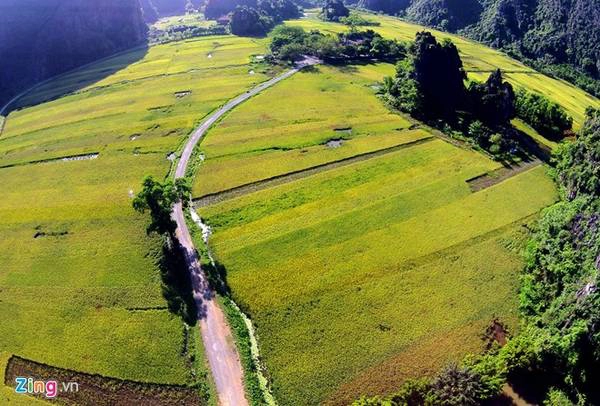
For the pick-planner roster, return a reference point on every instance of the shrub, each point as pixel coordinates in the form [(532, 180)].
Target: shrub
[(547, 117)]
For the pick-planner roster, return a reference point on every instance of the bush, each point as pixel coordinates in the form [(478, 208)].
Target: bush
[(459, 386), (547, 117), (356, 20)]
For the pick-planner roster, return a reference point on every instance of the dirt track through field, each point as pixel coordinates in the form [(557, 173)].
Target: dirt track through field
[(218, 341)]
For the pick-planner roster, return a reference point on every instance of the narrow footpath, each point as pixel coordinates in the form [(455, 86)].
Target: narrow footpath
[(218, 341)]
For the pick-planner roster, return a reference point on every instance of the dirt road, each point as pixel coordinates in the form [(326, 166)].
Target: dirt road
[(218, 342)]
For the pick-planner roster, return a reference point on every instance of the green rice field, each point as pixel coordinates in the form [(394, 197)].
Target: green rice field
[(79, 283), (368, 261), (354, 273), (354, 267)]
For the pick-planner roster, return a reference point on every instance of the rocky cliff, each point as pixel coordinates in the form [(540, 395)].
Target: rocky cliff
[(43, 38)]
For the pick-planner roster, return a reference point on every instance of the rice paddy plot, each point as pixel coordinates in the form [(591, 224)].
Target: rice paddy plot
[(334, 268), (80, 287), (314, 117)]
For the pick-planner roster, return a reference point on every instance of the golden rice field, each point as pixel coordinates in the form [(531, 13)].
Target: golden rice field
[(79, 283), (357, 276), (360, 276)]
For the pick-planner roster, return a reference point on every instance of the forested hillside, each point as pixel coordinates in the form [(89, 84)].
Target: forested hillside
[(42, 38), (560, 37)]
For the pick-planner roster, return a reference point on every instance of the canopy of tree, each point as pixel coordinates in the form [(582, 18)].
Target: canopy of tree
[(333, 10), (356, 20), (430, 85), (159, 198), (547, 117), (253, 18), (292, 43)]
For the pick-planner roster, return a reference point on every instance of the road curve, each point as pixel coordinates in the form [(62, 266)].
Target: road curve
[(218, 342)]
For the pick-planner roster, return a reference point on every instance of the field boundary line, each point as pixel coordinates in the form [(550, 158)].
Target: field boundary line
[(77, 157), (277, 180)]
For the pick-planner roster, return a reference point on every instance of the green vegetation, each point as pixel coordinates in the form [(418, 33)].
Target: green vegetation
[(159, 198), (255, 18), (544, 116), (82, 286), (429, 85), (293, 44), (357, 20), (478, 61), (334, 10)]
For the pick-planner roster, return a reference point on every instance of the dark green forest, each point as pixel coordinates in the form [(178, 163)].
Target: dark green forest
[(561, 38)]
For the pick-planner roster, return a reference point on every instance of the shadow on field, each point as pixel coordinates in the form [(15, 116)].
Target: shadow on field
[(61, 85), (176, 284), (217, 278)]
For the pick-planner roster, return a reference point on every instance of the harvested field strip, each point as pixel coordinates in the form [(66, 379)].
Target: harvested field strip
[(98, 389), (79, 157), (499, 175), (289, 177)]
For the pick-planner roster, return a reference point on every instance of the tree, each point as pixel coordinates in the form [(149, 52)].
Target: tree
[(333, 10), (283, 35), (439, 74), (547, 117), (578, 163), (457, 386), (493, 102), (159, 198), (249, 21), (403, 91)]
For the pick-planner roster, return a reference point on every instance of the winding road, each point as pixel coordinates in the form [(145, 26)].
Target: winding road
[(218, 341)]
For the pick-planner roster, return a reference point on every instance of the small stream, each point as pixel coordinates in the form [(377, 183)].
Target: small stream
[(264, 383)]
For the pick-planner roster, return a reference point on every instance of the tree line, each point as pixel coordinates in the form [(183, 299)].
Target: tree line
[(289, 44), (431, 85)]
